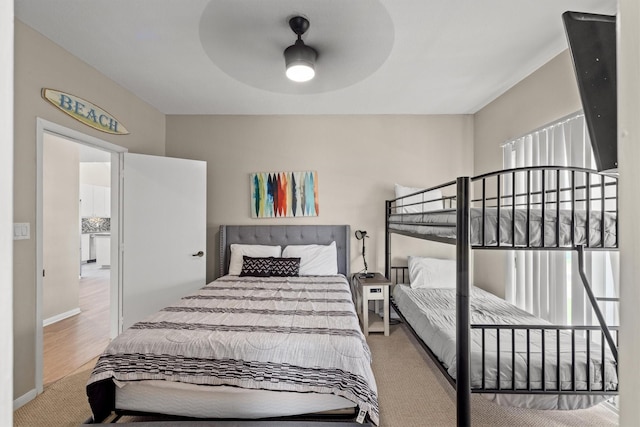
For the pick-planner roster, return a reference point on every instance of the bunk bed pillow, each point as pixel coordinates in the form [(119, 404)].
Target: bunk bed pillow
[(315, 260), (434, 195), (432, 272), (255, 251)]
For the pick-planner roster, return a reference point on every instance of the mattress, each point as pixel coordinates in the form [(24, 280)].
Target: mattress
[(200, 401), (442, 224), (432, 314), (279, 334)]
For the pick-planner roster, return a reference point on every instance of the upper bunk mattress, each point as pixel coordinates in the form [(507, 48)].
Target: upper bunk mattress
[(432, 315), (442, 224), (293, 334)]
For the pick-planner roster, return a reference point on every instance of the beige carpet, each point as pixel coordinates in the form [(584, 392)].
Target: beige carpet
[(63, 403), (412, 392)]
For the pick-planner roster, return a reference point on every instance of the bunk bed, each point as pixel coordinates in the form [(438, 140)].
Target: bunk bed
[(536, 208)]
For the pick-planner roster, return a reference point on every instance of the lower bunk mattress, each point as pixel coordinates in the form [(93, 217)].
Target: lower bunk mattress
[(432, 315), (277, 340)]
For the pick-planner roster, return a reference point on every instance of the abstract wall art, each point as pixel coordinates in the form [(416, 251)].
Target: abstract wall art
[(284, 194)]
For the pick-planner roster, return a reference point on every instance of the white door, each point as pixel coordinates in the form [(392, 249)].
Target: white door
[(163, 233)]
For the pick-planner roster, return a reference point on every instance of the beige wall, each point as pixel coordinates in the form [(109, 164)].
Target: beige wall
[(629, 159), (61, 226), (551, 92), (358, 159), (40, 63), (6, 211)]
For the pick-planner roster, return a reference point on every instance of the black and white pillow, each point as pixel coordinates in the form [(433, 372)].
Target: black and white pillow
[(285, 267), (256, 267)]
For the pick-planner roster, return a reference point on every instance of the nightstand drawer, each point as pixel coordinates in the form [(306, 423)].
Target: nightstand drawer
[(374, 293)]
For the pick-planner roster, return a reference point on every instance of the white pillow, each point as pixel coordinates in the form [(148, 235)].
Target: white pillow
[(432, 272), (421, 207), (238, 250), (315, 260)]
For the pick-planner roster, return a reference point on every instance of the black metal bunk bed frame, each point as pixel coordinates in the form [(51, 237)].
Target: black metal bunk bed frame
[(549, 192)]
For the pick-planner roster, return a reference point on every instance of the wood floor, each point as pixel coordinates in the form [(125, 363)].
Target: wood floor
[(72, 342)]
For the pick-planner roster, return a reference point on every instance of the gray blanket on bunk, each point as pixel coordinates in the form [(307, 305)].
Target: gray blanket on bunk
[(432, 314), (296, 334), (442, 223)]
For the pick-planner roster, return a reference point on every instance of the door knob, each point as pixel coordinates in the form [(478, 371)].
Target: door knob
[(199, 254)]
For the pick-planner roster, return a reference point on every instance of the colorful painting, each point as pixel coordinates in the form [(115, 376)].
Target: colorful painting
[(284, 194)]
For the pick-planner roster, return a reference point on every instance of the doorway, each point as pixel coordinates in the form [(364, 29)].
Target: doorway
[(76, 256), (77, 287), (165, 212)]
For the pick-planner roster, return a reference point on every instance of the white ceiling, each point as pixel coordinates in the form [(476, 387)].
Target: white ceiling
[(375, 56)]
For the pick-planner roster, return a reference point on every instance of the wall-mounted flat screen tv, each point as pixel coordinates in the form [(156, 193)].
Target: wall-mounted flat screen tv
[(592, 42)]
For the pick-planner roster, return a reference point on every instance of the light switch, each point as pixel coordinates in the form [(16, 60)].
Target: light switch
[(21, 231)]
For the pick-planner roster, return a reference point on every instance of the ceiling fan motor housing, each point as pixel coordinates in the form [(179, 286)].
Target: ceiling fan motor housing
[(299, 25)]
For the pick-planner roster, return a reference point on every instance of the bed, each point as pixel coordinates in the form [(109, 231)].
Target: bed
[(250, 345), (543, 207), (479, 342), (431, 311)]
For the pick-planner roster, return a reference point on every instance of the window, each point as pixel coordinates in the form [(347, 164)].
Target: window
[(547, 283)]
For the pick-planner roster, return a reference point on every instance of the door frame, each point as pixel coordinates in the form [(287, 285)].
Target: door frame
[(117, 152)]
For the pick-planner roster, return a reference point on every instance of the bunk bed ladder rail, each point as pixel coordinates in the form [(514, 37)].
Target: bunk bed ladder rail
[(602, 185), (594, 304)]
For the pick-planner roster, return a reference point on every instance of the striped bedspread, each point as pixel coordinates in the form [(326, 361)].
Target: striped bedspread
[(296, 334)]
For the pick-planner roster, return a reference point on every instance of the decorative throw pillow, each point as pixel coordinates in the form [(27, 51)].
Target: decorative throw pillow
[(285, 267), (257, 267)]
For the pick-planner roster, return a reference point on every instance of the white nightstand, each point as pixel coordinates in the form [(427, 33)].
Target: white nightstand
[(369, 289)]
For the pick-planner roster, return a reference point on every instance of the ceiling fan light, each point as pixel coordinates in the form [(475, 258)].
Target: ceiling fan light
[(300, 62), (300, 72)]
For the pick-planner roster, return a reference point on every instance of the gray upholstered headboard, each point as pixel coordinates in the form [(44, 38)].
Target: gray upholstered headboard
[(284, 235)]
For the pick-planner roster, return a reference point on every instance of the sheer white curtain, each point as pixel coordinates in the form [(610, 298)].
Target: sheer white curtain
[(547, 283)]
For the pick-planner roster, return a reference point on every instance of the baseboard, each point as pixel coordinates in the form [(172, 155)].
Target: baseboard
[(58, 317), (24, 399)]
